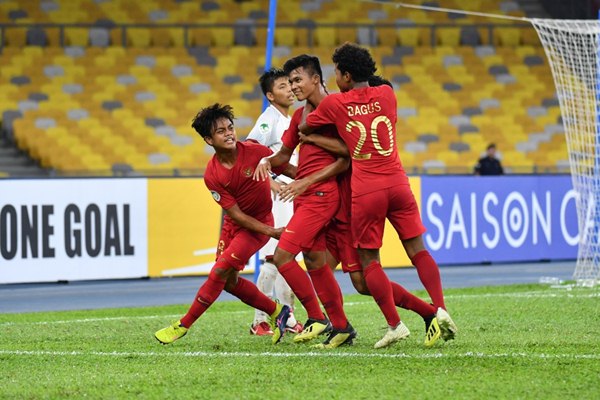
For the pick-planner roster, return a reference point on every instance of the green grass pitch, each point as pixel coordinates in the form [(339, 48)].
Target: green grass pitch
[(524, 341)]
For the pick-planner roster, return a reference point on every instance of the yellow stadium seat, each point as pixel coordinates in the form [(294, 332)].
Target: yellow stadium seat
[(326, 37), (448, 36), (409, 36), (161, 37), (346, 34), (76, 36), (139, 37), (15, 37), (387, 36), (199, 37), (507, 36), (222, 37), (285, 37)]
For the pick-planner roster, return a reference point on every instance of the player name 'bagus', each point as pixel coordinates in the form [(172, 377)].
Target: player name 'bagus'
[(28, 231), (364, 109)]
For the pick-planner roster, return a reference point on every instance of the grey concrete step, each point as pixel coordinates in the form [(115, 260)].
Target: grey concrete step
[(19, 171)]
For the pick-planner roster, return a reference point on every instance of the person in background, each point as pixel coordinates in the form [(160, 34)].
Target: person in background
[(268, 131), (489, 165)]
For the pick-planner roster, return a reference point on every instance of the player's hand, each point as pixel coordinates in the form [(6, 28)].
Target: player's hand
[(291, 191), (276, 233), (275, 187), (305, 138), (263, 170)]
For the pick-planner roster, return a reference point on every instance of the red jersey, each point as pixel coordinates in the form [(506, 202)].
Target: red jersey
[(345, 189), (236, 186), (311, 158), (365, 119)]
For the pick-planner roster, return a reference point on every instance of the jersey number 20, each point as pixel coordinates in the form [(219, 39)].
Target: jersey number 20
[(356, 154)]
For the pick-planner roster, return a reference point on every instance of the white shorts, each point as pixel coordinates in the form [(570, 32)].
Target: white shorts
[(282, 213)]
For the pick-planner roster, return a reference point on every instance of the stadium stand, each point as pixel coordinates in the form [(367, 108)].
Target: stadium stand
[(75, 99)]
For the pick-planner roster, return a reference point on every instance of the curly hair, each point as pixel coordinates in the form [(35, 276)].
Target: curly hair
[(268, 78), (355, 60), (206, 120), (310, 63), (378, 80)]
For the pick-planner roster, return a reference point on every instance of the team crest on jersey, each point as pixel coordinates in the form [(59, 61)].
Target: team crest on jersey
[(264, 128), (215, 195), (247, 172), (220, 247)]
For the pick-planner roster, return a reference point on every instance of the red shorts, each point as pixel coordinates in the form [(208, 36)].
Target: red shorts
[(370, 210), (237, 244), (339, 244), (307, 229)]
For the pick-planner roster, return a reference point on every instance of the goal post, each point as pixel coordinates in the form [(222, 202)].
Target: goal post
[(572, 48)]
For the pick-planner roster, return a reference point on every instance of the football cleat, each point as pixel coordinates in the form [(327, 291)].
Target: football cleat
[(447, 326), (294, 329), (279, 321), (261, 329), (393, 335), (338, 337), (432, 331), (171, 333), (312, 329)]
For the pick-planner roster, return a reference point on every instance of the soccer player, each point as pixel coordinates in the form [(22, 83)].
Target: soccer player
[(316, 201), (247, 226), (339, 238), (267, 131), (365, 118)]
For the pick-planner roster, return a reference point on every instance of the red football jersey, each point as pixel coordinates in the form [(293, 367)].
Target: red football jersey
[(365, 119), (236, 186), (311, 158)]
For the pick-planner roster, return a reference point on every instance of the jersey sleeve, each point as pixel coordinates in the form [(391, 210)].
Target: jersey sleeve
[(218, 191), (324, 114), (290, 138), (262, 131)]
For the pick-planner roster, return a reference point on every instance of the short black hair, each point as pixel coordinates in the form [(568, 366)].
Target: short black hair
[(491, 146), (310, 63), (268, 78), (206, 120), (378, 80), (355, 60)]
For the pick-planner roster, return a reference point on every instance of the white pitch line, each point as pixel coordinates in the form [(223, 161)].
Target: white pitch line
[(204, 354), (524, 295)]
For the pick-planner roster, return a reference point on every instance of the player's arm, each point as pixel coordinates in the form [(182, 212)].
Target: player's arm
[(322, 115), (290, 171), (252, 224), (266, 164), (333, 145), (296, 188)]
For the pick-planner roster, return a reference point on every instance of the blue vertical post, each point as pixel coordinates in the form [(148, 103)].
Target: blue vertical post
[(596, 179), (270, 41), (268, 61)]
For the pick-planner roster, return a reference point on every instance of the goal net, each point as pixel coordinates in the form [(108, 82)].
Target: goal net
[(572, 48)]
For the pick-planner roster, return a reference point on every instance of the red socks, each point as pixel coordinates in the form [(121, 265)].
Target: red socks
[(429, 274), (381, 290), (408, 301), (207, 294), (329, 293), (295, 276), (247, 292)]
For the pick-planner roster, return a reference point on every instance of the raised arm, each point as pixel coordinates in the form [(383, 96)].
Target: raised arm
[(296, 188), (252, 224)]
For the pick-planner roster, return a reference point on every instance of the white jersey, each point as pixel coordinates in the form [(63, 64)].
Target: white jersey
[(268, 130)]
